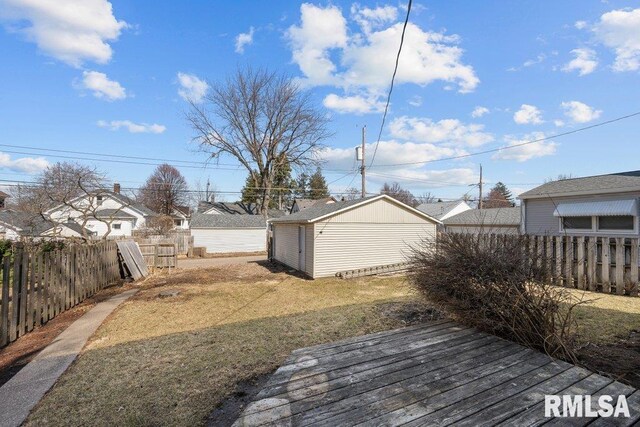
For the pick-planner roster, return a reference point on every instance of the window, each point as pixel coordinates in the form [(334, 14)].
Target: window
[(577, 223), (616, 223), (117, 226), (177, 222)]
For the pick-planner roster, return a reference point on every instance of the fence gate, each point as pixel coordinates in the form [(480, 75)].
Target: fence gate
[(159, 255)]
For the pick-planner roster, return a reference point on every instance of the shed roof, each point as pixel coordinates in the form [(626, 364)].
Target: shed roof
[(612, 183), (486, 217), (438, 209), (321, 210), (200, 220)]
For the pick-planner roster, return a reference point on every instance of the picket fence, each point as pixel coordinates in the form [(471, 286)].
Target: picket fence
[(607, 264), (37, 285)]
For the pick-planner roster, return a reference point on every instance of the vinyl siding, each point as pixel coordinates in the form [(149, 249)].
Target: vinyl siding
[(230, 240), (310, 247), (539, 217), (379, 212), (286, 247), (343, 246), (483, 230)]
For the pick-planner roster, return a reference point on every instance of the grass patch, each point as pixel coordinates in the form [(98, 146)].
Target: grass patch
[(171, 361)]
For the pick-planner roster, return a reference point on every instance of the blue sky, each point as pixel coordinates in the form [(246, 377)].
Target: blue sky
[(111, 77)]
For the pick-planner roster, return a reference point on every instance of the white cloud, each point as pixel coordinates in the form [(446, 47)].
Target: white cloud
[(528, 114), (580, 112), (479, 111), (369, 19), (447, 132), (585, 61), (580, 25), (24, 164), (191, 87), (415, 101), (425, 178), (101, 87), (521, 153), (362, 61), (559, 123), (620, 30), (131, 126), (69, 30), (352, 104), (244, 39)]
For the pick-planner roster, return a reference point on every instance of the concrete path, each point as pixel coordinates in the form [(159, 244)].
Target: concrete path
[(191, 263), (22, 392)]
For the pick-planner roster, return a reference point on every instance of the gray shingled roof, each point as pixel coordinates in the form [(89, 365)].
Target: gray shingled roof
[(438, 209), (113, 214), (33, 224), (127, 201), (615, 182), (486, 217), (200, 220)]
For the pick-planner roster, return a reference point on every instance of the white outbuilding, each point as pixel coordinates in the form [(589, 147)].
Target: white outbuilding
[(229, 233), (327, 239)]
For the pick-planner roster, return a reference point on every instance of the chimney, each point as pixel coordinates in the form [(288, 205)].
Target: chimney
[(116, 188)]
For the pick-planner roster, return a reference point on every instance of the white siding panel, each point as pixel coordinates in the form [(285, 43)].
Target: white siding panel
[(286, 247), (230, 240), (512, 230), (309, 254), (346, 246), (380, 211)]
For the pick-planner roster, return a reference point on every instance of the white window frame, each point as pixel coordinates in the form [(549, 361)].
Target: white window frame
[(602, 230), (577, 230)]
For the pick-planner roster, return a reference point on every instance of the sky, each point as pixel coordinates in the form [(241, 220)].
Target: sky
[(113, 78)]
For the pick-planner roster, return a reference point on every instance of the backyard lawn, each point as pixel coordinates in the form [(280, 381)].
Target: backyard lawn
[(172, 360)]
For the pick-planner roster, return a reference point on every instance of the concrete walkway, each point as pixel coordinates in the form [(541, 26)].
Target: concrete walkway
[(22, 392)]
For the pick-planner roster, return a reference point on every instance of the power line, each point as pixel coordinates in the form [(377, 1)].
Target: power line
[(508, 147), (393, 77)]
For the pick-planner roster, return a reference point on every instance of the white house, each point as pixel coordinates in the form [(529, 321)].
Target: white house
[(17, 225), (444, 210), (326, 239), (229, 233), (181, 216), (102, 212)]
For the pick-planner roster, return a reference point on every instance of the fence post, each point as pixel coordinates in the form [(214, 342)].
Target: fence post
[(632, 289), (4, 310), (592, 258)]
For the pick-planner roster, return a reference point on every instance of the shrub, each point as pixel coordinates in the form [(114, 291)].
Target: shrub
[(501, 288)]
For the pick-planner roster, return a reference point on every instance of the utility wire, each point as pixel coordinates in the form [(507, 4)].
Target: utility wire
[(393, 77)]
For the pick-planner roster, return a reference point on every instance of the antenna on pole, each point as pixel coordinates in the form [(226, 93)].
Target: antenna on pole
[(360, 156), (480, 187)]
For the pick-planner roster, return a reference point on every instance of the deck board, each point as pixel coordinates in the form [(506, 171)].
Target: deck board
[(439, 373)]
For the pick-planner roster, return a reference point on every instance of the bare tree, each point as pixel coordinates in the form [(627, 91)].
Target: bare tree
[(262, 119), (400, 194), (426, 198), (351, 193), (164, 190)]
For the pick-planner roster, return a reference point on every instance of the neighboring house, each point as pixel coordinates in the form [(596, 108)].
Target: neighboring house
[(593, 205), (325, 239), (17, 225), (181, 216), (229, 233), (3, 197), (103, 209), (444, 210), (236, 208), (300, 204), (485, 221)]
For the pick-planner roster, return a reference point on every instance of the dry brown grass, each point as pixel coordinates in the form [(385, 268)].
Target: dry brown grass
[(171, 361)]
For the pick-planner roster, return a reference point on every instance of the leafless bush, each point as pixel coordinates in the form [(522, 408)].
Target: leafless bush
[(498, 286)]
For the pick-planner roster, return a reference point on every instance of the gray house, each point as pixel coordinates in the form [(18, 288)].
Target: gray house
[(593, 205), (484, 221)]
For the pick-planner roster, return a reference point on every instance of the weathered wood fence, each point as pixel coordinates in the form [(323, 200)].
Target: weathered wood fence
[(182, 241), (37, 286), (159, 255), (607, 264)]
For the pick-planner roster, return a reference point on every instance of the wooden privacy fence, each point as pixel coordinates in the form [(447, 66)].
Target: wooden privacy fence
[(159, 255), (594, 263), (182, 241), (37, 286)]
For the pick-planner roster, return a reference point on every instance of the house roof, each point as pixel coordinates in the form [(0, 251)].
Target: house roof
[(306, 203), (126, 201), (438, 209), (236, 208), (113, 214), (183, 210), (28, 224), (320, 211), (486, 217), (612, 183), (200, 220)]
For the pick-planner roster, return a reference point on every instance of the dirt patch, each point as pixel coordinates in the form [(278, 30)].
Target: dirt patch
[(16, 355), (410, 313), (620, 360), (231, 408)]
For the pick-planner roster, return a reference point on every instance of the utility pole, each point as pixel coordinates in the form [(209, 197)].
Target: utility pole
[(362, 167), (480, 187), (206, 196)]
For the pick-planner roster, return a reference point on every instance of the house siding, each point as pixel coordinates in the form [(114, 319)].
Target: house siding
[(286, 246), (379, 212), (343, 246), (230, 240), (538, 215), (496, 229)]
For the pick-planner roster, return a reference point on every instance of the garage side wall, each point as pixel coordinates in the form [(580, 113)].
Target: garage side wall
[(230, 240), (286, 244)]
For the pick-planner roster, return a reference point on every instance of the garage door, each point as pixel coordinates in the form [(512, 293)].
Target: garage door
[(230, 240)]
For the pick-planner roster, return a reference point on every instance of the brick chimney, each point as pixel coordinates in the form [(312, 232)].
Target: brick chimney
[(116, 188)]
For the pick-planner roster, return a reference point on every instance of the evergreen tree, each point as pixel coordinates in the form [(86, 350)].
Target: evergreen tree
[(302, 186), (502, 189), (318, 186), (283, 188)]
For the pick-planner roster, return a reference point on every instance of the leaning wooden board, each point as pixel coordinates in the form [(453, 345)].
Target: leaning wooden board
[(133, 258)]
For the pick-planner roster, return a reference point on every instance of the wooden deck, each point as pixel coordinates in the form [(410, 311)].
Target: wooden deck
[(435, 374)]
